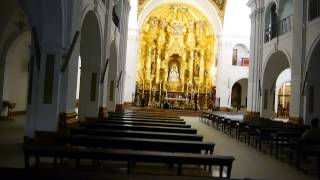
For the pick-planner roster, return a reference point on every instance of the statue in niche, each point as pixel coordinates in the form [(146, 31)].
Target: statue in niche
[(174, 74)]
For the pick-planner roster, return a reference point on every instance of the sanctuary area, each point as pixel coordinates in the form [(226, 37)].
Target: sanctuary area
[(160, 89)]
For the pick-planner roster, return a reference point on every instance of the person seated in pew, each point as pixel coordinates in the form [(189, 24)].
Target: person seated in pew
[(314, 132)]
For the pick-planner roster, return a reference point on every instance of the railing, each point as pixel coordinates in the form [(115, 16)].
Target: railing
[(314, 9), (284, 26)]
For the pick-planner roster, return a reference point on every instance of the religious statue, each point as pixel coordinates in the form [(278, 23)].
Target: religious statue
[(174, 74)]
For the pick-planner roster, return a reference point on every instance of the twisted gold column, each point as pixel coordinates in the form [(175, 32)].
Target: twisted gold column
[(148, 63), (158, 66), (182, 72), (191, 66), (166, 70), (201, 72)]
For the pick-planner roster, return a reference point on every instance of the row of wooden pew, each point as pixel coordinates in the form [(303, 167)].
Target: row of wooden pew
[(132, 137), (277, 137)]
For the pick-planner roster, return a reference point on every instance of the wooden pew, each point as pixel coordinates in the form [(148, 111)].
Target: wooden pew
[(143, 128), (140, 144), (145, 117), (146, 120), (136, 134), (206, 117), (162, 114), (304, 148), (67, 120), (283, 138), (162, 124), (81, 174), (127, 155), (231, 126)]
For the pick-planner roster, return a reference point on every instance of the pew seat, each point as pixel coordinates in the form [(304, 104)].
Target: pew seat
[(129, 156)]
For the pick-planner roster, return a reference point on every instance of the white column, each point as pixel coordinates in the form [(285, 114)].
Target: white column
[(253, 80), (123, 48), (43, 113), (106, 51), (255, 66), (132, 54), (69, 81), (298, 59), (260, 42)]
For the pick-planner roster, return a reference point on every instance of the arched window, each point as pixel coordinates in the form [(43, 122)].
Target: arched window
[(240, 55), (270, 22), (278, 19)]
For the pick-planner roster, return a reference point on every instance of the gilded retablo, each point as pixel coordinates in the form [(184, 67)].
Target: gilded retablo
[(176, 51)]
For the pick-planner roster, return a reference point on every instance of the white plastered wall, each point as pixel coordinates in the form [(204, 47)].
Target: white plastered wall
[(16, 71), (132, 53), (236, 30)]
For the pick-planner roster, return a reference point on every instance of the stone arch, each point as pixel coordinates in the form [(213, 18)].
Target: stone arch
[(270, 18), (271, 53), (312, 83), (90, 53), (89, 9), (15, 45), (17, 68), (312, 50), (113, 77), (282, 94), (269, 5), (241, 98), (236, 95), (242, 51), (274, 65), (203, 6)]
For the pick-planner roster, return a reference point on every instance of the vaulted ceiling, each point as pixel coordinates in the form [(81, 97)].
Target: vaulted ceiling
[(219, 5)]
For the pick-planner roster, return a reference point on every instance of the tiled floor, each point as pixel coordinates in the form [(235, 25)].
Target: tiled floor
[(11, 139), (249, 162)]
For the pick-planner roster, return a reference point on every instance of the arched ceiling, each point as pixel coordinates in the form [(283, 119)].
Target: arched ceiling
[(219, 5)]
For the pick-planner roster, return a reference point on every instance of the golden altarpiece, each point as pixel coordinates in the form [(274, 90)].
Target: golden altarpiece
[(175, 57)]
